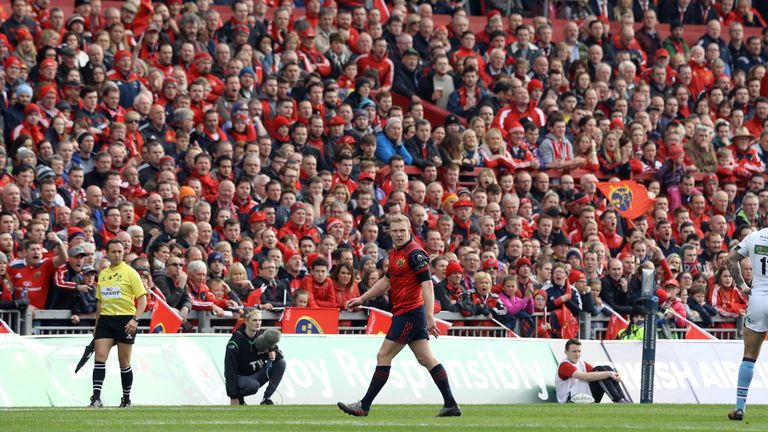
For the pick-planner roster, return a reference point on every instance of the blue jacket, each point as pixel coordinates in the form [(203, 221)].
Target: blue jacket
[(385, 149)]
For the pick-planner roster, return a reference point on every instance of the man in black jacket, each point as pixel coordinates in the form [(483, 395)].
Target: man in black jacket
[(408, 75), (251, 360), (421, 147)]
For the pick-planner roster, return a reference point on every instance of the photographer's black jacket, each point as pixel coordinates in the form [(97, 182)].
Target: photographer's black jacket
[(243, 358)]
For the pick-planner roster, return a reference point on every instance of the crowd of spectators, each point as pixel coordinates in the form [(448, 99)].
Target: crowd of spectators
[(256, 162)]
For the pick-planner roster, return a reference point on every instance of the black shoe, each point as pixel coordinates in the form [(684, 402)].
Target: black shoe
[(267, 401), (355, 409), (95, 403), (242, 401), (125, 402), (737, 415), (623, 400), (453, 411)]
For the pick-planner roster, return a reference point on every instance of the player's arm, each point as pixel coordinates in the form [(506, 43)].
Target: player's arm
[(419, 263), (380, 287), (141, 303), (428, 293), (595, 376), (733, 262), (98, 314)]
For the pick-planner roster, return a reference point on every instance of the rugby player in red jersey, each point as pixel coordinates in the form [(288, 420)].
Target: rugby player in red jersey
[(35, 273), (410, 289)]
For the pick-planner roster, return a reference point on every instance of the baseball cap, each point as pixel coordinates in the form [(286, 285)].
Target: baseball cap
[(76, 251), (451, 119), (68, 52), (257, 216), (561, 240), (73, 232), (555, 211), (87, 269), (215, 256), (463, 202), (308, 32)]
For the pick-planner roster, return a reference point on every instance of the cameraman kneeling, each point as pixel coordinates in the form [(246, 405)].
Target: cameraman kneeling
[(251, 360), (576, 379)]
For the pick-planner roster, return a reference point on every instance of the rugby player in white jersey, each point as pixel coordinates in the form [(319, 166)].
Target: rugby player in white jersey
[(755, 247)]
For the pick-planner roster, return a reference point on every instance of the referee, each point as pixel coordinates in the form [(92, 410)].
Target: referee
[(122, 299)]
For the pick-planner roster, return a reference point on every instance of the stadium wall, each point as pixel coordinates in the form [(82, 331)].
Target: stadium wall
[(188, 370)]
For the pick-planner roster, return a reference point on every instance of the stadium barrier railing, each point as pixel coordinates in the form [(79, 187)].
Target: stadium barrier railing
[(13, 318), (594, 328), (56, 322)]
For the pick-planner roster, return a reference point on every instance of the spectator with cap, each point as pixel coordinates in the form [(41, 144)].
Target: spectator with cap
[(67, 283), (408, 75), (450, 290), (30, 125)]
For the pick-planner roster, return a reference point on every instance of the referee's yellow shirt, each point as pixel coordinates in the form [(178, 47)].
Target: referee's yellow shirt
[(118, 289)]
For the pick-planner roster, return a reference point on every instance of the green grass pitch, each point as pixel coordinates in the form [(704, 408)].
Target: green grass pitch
[(549, 417)]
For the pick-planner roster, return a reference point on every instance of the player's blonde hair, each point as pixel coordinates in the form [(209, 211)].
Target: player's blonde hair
[(400, 218)]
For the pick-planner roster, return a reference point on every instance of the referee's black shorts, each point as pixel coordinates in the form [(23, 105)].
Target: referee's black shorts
[(409, 327), (113, 327)]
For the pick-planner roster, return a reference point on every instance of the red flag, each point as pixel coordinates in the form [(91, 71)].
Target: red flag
[(696, 332), (382, 7), (630, 199), (4, 329), (143, 17), (164, 318), (615, 325), (311, 321), (378, 321), (443, 326)]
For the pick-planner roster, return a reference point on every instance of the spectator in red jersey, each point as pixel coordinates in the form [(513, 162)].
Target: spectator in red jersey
[(726, 298), (8, 300), (32, 277), (317, 281)]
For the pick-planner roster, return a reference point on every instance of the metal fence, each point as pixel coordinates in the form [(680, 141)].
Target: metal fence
[(594, 327), (55, 322)]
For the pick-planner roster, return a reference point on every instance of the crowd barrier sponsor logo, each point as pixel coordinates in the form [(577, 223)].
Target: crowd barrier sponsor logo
[(188, 370), (689, 372)]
